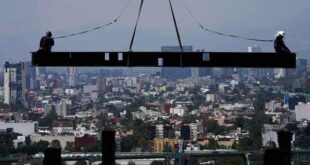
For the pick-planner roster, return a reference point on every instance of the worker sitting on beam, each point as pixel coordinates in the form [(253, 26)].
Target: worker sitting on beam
[(279, 45), (46, 43)]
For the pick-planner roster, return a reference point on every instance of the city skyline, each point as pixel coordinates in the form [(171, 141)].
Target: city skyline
[(24, 28), (190, 115)]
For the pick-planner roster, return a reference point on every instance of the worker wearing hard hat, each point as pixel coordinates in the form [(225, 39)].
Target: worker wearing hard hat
[(279, 45), (47, 42)]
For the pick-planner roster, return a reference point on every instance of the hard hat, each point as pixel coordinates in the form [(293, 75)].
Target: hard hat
[(280, 33), (49, 33)]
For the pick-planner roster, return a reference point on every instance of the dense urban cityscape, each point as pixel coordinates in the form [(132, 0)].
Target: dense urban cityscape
[(152, 109)]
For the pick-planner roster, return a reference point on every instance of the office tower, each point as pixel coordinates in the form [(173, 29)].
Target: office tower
[(101, 82), (12, 87), (39, 72), (72, 74), (28, 76), (194, 75), (175, 73), (301, 66)]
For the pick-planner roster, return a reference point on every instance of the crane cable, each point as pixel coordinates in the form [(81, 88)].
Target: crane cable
[(219, 33), (176, 26), (136, 25), (98, 27)]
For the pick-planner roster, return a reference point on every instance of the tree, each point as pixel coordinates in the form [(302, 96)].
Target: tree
[(80, 162), (42, 145), (128, 143), (307, 130), (247, 144), (212, 144), (4, 106), (303, 142), (5, 150), (33, 148), (131, 162), (157, 162), (213, 127), (55, 144), (70, 147), (48, 120), (292, 127)]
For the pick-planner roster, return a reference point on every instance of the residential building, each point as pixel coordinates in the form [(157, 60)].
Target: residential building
[(12, 87), (165, 145)]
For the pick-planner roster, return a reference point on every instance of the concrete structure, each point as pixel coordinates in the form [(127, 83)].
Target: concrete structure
[(20, 141), (226, 141), (63, 107), (302, 111), (23, 128), (273, 105), (91, 91), (178, 110), (210, 97)]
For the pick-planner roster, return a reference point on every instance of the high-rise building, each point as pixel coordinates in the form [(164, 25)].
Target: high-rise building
[(72, 74), (159, 131), (195, 75), (39, 72), (279, 73), (12, 87), (301, 66), (173, 73), (63, 107), (168, 131), (29, 76), (101, 82), (294, 100), (185, 132), (193, 131)]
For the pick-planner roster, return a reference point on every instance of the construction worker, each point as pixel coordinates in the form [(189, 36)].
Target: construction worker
[(46, 43), (279, 45)]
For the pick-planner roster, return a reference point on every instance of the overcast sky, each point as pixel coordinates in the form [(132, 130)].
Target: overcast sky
[(23, 22)]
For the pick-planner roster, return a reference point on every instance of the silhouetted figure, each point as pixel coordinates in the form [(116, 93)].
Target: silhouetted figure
[(282, 155), (52, 156), (108, 147), (279, 45), (46, 43)]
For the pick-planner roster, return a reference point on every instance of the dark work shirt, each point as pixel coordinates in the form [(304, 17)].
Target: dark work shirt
[(46, 43), (280, 47)]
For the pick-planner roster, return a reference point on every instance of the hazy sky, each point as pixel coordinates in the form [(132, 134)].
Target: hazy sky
[(23, 22)]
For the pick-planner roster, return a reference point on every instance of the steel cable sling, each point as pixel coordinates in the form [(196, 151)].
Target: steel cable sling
[(220, 33), (98, 27), (174, 21)]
